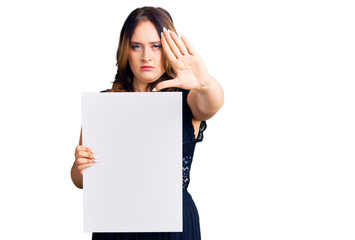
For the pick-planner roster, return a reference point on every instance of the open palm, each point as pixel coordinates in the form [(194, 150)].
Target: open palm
[(191, 71)]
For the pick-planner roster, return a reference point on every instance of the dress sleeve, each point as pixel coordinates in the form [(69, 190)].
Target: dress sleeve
[(188, 113), (203, 127)]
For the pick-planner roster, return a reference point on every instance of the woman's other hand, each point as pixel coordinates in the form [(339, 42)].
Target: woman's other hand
[(84, 158)]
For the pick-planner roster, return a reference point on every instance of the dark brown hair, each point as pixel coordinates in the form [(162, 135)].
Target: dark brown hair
[(124, 77)]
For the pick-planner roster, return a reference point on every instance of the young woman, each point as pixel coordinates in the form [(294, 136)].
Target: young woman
[(152, 57)]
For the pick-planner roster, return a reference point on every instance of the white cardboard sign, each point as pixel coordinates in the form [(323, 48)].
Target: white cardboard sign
[(136, 185)]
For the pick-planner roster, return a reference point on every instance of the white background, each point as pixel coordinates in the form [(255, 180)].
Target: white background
[(277, 161)]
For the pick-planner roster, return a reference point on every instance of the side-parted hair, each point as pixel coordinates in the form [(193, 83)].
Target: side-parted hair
[(124, 77)]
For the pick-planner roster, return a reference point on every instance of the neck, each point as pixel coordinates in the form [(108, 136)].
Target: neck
[(139, 87)]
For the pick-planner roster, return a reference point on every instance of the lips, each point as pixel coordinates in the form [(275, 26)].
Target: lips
[(146, 68)]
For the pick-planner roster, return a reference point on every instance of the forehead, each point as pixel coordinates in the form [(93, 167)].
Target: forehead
[(145, 32)]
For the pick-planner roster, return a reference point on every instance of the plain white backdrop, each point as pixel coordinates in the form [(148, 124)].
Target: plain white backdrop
[(277, 161)]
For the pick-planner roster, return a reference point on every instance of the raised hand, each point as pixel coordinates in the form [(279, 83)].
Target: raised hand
[(191, 71)]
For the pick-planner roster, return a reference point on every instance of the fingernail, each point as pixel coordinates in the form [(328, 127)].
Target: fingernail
[(169, 31), (164, 29), (161, 34), (154, 90)]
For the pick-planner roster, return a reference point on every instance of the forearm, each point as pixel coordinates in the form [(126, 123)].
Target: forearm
[(207, 100), (76, 177)]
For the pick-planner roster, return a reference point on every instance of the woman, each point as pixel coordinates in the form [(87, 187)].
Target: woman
[(152, 57)]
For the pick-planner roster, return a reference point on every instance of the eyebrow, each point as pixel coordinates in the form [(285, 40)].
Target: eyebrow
[(158, 42)]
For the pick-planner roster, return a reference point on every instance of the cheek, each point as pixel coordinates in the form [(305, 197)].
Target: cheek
[(160, 59), (132, 59)]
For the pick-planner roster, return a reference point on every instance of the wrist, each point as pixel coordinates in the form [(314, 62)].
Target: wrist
[(207, 82)]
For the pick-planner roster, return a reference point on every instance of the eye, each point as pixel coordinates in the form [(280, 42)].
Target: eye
[(156, 46), (136, 47)]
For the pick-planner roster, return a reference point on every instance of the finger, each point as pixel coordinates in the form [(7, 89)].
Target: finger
[(168, 83), (188, 45), (169, 54), (83, 148), (179, 43), (172, 45), (81, 161), (84, 154), (83, 167)]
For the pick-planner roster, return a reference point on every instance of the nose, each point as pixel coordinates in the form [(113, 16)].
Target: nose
[(146, 55)]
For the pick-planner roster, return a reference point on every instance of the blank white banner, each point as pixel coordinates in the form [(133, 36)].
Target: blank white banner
[(136, 185)]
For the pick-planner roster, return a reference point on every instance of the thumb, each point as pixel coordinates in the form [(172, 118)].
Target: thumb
[(168, 83)]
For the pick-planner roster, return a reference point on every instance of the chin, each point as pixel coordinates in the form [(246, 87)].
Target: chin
[(150, 80)]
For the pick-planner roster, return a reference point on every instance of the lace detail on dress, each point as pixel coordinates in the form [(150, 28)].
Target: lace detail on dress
[(186, 165)]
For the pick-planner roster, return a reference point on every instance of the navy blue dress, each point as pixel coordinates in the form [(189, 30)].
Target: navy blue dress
[(191, 224)]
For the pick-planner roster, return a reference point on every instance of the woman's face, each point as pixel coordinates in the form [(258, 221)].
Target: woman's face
[(145, 55)]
